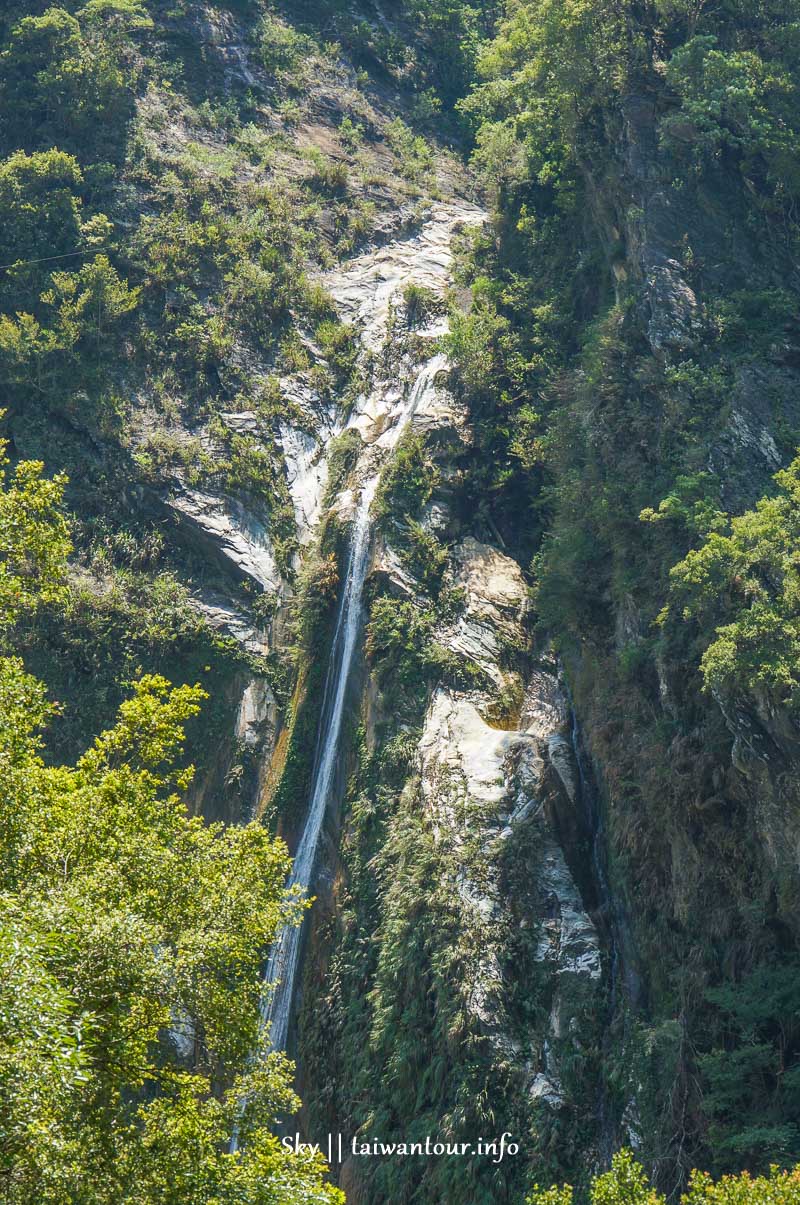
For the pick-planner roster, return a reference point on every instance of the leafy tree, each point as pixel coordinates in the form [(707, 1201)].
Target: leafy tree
[(454, 31), (551, 69), (58, 87), (734, 101), (89, 299), (131, 941), (627, 1184), (408, 480), (741, 588), (52, 307), (34, 541), (42, 221), (753, 1073)]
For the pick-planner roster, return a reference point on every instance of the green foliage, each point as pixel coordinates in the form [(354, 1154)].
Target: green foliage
[(421, 304), (343, 453), (552, 67), (399, 642), (453, 31), (61, 86), (351, 134), (111, 620), (425, 555), (34, 540), (404, 655), (627, 1184), (89, 300), (752, 1077), (330, 175), (54, 310), (471, 343), (408, 481), (339, 346), (131, 961), (317, 591), (608, 134), (747, 319), (281, 48), (742, 588), (413, 152), (41, 207), (690, 504), (735, 101)]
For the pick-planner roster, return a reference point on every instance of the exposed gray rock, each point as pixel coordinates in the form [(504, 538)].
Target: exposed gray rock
[(673, 305), (244, 422), (495, 602), (570, 938), (238, 536), (223, 616), (306, 474), (759, 440), (387, 566), (435, 517), (257, 713), (366, 290), (458, 749), (559, 752), (479, 785), (440, 417), (369, 285), (544, 1091)]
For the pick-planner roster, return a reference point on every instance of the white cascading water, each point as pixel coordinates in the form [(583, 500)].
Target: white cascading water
[(365, 290), (281, 969), (279, 976)]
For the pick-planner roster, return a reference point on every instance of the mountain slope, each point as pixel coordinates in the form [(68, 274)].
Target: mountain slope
[(241, 248)]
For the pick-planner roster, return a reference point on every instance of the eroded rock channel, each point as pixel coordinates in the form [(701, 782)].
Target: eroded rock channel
[(450, 949)]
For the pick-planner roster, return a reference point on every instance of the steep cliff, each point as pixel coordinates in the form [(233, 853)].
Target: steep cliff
[(638, 313), (468, 493)]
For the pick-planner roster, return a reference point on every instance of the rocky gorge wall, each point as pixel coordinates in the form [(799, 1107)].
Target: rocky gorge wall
[(557, 893), (453, 964), (637, 283)]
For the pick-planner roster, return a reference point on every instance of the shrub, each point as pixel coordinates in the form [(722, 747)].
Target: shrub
[(627, 1184), (420, 304), (408, 481), (734, 100), (58, 87), (414, 154), (742, 587)]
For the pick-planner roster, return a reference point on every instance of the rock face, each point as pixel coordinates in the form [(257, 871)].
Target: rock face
[(673, 308), (698, 791), (493, 764), (306, 474), (240, 542), (494, 605), (256, 715), (490, 769), (482, 787), (371, 284), (367, 290), (233, 533), (224, 617)]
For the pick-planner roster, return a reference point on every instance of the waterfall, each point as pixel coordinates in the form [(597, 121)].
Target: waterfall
[(283, 961), (365, 291)]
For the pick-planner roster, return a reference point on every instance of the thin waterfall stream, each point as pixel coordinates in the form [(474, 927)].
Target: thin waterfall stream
[(365, 292), (282, 964)]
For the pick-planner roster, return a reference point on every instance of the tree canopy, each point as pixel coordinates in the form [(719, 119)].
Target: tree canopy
[(131, 943)]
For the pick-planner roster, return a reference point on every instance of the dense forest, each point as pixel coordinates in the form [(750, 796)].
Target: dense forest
[(505, 295)]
